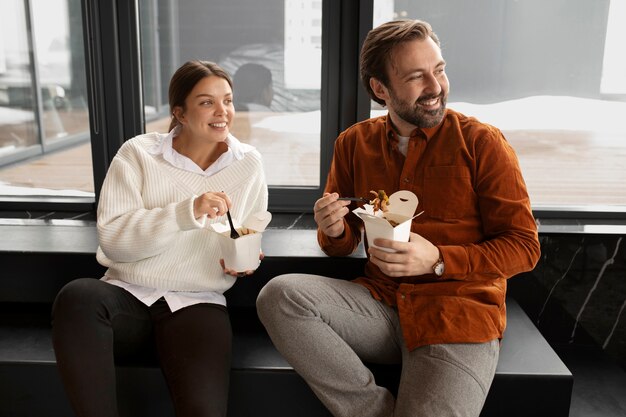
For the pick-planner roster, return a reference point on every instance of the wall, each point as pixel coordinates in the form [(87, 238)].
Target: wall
[(577, 292)]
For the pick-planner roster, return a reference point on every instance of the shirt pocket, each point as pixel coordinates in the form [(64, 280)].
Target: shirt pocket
[(448, 192)]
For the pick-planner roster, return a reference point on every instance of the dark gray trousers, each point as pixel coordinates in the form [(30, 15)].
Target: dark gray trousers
[(327, 327)]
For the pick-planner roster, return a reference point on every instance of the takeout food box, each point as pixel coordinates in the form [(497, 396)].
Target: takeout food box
[(242, 254), (402, 205)]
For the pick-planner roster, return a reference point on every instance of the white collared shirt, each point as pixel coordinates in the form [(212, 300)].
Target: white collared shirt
[(236, 151), (179, 299)]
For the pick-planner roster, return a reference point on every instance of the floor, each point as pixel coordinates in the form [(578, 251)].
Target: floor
[(599, 385)]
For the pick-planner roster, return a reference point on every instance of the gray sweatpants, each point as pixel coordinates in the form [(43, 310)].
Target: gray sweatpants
[(326, 328)]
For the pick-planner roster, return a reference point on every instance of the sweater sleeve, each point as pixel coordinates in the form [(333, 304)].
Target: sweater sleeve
[(128, 231)]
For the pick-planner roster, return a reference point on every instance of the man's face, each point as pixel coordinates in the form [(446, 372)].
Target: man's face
[(418, 85)]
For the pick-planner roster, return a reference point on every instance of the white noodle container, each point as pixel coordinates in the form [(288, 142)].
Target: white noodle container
[(242, 254), (402, 206)]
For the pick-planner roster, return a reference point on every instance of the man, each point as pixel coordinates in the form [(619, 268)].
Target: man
[(436, 303)]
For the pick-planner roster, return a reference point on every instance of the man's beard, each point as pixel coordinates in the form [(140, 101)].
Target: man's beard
[(417, 116)]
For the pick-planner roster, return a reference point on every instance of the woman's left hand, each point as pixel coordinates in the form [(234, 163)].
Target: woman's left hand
[(237, 274)]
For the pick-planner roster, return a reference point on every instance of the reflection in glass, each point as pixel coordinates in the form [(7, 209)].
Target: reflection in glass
[(273, 52), (18, 128), (60, 63), (44, 123), (550, 76)]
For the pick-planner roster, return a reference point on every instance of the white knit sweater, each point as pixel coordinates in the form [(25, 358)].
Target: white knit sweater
[(147, 232)]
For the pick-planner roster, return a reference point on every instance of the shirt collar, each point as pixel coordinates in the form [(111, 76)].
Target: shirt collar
[(236, 151)]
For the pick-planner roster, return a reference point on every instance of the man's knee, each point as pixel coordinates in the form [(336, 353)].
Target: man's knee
[(272, 294)]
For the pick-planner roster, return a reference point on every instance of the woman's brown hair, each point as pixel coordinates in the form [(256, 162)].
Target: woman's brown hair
[(379, 44), (185, 79)]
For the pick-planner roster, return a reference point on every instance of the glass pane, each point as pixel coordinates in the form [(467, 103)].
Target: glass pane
[(551, 76), (272, 49), (54, 158), (61, 65), (18, 126)]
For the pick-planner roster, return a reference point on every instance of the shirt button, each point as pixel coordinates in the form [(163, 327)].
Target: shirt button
[(402, 296)]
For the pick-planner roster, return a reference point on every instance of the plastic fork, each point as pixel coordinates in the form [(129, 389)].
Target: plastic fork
[(233, 232)]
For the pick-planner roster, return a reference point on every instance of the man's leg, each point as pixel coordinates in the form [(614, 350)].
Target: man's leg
[(325, 328), (446, 380)]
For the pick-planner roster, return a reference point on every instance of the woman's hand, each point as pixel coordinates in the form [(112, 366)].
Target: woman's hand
[(237, 274), (211, 204)]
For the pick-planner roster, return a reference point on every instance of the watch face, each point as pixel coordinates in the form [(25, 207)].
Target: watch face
[(438, 268)]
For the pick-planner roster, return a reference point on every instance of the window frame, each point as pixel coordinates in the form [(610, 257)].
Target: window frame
[(111, 31)]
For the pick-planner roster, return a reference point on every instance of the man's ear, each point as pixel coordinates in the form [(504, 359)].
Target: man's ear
[(379, 89)]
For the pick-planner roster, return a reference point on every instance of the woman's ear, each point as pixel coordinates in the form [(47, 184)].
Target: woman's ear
[(179, 114), (379, 89)]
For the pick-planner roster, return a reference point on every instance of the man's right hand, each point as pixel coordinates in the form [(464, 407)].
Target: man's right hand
[(329, 213)]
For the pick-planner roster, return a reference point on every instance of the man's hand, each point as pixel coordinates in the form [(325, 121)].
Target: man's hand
[(213, 204), (329, 213), (415, 257)]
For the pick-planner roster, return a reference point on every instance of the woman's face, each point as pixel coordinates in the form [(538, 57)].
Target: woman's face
[(209, 110)]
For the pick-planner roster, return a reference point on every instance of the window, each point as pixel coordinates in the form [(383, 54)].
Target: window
[(43, 105), (276, 73), (553, 81), (552, 77), (280, 62)]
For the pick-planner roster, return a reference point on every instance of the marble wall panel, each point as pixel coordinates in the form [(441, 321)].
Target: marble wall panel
[(577, 292)]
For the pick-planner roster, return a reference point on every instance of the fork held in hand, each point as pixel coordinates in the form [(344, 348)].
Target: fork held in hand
[(357, 199), (233, 231)]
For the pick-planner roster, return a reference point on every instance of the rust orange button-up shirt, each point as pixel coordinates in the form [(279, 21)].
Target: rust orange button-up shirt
[(476, 211)]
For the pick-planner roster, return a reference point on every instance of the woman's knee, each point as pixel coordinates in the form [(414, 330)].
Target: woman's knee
[(74, 292), (78, 297)]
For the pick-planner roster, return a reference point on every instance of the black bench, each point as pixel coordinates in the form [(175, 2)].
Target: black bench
[(530, 378)]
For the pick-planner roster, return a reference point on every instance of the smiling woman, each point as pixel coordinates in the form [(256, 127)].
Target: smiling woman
[(160, 193), (205, 115)]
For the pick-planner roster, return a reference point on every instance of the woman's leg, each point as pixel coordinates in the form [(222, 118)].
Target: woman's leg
[(93, 321), (194, 348)]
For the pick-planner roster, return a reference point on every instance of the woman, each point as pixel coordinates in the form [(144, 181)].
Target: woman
[(163, 289)]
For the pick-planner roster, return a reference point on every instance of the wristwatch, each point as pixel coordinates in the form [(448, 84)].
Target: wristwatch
[(439, 267)]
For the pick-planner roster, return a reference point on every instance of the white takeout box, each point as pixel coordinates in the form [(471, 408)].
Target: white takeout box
[(242, 254), (402, 206)]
